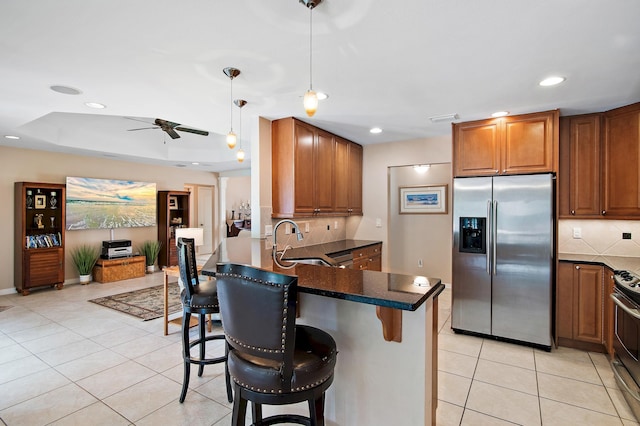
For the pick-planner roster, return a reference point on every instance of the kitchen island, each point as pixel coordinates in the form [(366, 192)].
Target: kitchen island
[(377, 382)]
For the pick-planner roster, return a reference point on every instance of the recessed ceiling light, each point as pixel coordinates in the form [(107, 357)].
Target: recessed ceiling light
[(421, 168), (65, 90), (195, 163), (11, 137), (95, 105), (375, 130), (552, 81), (321, 96), (500, 114)]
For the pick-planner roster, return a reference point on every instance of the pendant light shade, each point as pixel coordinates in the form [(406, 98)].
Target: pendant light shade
[(310, 101), (231, 136), (240, 155)]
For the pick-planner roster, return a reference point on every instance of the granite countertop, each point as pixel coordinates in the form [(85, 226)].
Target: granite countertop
[(371, 287), (629, 263)]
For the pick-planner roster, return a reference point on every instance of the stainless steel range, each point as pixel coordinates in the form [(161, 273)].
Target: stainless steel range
[(626, 367)]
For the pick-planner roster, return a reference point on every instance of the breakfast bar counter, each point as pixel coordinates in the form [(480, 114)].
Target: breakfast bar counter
[(377, 381)]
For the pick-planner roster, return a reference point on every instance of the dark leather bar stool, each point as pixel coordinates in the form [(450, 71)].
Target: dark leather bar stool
[(198, 299), (272, 360)]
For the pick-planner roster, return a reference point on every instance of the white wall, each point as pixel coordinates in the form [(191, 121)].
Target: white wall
[(39, 166), (376, 200), (420, 237)]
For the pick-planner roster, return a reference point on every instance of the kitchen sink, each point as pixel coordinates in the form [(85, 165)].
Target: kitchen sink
[(310, 261)]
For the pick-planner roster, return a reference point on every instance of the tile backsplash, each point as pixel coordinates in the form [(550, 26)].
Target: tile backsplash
[(321, 230), (602, 238)]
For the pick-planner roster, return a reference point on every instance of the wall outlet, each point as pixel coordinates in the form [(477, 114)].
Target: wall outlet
[(268, 230), (335, 224), (378, 223), (577, 232), (420, 263), (626, 235), (306, 227), (287, 228)]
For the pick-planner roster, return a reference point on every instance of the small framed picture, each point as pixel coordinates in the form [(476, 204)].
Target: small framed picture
[(40, 201), (173, 203), (423, 199)]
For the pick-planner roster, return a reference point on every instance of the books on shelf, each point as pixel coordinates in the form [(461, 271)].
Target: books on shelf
[(43, 240)]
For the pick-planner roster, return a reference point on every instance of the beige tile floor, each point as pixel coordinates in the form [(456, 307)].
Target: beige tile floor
[(64, 361), (486, 382)]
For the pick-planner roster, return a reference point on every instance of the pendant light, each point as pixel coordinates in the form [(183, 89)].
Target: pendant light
[(310, 97), (240, 154), (231, 137)]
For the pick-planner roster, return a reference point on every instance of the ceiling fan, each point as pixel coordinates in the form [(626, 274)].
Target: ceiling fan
[(170, 128)]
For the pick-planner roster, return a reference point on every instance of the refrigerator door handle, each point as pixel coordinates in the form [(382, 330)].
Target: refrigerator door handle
[(494, 239), (489, 237)]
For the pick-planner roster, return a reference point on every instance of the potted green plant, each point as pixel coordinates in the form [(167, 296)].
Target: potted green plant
[(150, 250), (84, 258)]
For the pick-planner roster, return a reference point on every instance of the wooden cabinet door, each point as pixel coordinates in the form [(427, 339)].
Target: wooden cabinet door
[(529, 143), (476, 148), (324, 175), (355, 179), (304, 169), (621, 162), (588, 303), (580, 171), (564, 301), (341, 177), (43, 267)]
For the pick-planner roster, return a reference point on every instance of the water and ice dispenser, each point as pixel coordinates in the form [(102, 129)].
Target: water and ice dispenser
[(473, 235)]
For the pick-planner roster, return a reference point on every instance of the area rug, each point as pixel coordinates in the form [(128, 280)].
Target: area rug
[(146, 304), (4, 308)]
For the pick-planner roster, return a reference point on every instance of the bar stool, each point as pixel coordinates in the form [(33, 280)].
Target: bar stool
[(272, 360), (199, 299)]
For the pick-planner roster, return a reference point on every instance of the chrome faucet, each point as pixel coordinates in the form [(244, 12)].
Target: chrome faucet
[(275, 233)]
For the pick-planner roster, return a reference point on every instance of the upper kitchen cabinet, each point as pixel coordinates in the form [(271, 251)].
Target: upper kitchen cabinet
[(621, 163), (580, 172), (312, 172), (599, 174), (348, 178), (518, 144)]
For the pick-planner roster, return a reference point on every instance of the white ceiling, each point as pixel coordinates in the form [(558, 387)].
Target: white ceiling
[(391, 64)]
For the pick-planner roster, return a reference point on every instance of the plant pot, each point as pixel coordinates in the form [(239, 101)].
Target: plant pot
[(151, 269), (85, 279)]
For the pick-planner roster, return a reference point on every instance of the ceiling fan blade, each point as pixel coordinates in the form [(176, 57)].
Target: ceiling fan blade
[(137, 119), (172, 133), (165, 123), (143, 128), (195, 131)]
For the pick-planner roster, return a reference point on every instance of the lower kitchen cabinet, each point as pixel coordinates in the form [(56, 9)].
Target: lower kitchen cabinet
[(368, 258), (582, 319)]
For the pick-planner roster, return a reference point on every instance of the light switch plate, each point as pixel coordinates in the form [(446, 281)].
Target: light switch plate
[(268, 230), (577, 232)]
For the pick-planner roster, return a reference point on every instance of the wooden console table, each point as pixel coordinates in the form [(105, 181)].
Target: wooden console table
[(174, 271), (109, 270)]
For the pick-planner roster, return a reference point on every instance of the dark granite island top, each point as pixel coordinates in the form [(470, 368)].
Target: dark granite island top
[(384, 289)]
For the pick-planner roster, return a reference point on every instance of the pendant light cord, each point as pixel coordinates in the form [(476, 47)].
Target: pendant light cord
[(231, 106), (310, 49)]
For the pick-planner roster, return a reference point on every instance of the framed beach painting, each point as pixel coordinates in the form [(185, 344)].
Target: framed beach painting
[(423, 199)]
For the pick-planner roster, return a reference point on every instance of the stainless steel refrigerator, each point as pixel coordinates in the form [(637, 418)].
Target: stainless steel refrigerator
[(503, 249)]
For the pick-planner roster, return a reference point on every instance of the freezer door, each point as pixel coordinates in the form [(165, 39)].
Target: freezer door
[(522, 280), (471, 278)]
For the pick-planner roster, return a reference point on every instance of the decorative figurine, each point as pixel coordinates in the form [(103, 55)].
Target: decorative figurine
[(37, 220)]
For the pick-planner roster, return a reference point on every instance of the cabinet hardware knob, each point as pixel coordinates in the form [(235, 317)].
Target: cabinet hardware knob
[(573, 212), (577, 267), (604, 212)]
